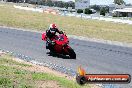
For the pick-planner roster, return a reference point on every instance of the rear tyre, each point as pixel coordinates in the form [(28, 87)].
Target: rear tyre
[(72, 54)]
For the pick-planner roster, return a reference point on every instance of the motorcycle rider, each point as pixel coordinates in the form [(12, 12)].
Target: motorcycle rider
[(50, 33)]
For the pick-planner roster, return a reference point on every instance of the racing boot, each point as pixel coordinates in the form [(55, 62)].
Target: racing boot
[(47, 45)]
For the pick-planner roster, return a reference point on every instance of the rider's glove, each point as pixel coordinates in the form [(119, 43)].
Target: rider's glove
[(61, 32)]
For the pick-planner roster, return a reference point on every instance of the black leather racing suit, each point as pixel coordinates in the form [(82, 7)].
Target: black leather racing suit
[(51, 33)]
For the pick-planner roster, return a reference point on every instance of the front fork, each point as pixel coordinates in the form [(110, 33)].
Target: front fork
[(65, 49)]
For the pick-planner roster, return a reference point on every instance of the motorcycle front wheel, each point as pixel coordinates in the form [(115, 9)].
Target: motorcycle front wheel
[(72, 54)]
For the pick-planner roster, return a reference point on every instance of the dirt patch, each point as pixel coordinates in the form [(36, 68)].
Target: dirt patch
[(47, 84)]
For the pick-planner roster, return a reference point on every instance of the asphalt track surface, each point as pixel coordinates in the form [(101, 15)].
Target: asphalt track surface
[(93, 57)]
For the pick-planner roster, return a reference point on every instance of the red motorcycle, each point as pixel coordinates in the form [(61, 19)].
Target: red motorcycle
[(61, 45)]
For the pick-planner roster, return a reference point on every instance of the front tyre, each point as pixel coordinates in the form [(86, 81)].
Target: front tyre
[(72, 54)]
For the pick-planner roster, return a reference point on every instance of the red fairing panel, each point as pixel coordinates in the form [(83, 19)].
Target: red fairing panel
[(44, 36)]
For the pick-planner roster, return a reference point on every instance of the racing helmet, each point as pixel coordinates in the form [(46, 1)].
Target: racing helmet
[(52, 28)]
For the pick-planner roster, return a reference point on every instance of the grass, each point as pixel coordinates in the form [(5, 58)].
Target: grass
[(13, 77), (8, 60), (130, 18), (64, 82), (10, 16), (5, 82)]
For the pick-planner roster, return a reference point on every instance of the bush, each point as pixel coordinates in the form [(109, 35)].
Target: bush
[(102, 11), (79, 11), (88, 11)]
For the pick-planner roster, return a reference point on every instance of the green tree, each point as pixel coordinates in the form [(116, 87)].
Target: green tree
[(88, 11), (119, 2), (79, 11), (60, 4), (102, 11), (49, 3)]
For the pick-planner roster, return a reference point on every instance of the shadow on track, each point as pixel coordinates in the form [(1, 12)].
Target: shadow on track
[(58, 55)]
